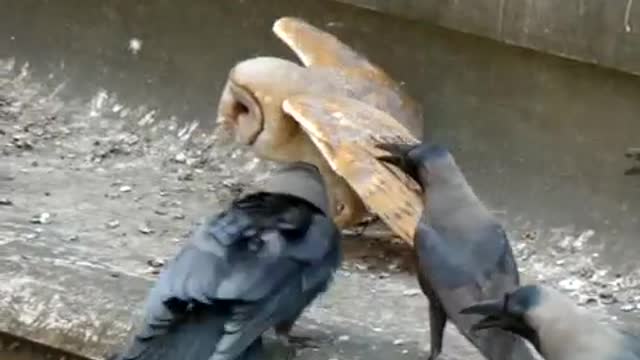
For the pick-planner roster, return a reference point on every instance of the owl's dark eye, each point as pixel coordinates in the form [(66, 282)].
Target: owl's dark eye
[(255, 244)]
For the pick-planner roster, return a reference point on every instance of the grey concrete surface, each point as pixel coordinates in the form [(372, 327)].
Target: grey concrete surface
[(15, 348), (604, 32), (117, 196), (92, 192), (541, 137)]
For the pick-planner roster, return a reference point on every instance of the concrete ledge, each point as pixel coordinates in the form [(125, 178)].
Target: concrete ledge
[(73, 279), (603, 32)]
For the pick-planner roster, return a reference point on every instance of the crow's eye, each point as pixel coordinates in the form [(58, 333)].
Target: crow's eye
[(255, 244)]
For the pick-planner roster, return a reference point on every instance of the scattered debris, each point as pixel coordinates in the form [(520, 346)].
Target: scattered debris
[(180, 158), (571, 284), (43, 218), (145, 229), (361, 267), (112, 224), (185, 176), (156, 263), (135, 45), (22, 142), (159, 211), (628, 307), (178, 216), (412, 292), (607, 298), (112, 195), (633, 153), (342, 338), (153, 271), (229, 173)]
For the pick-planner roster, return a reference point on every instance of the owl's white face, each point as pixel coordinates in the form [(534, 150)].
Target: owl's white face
[(241, 113), (251, 104)]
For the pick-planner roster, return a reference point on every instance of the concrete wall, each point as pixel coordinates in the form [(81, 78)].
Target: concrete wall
[(604, 32), (541, 138)]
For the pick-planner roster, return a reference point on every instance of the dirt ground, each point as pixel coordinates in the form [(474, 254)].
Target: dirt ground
[(95, 197)]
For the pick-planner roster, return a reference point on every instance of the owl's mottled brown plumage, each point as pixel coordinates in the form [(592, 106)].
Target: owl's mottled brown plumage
[(252, 102), (346, 132)]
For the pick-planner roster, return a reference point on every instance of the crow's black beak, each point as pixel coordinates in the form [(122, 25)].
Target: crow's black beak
[(398, 156), (487, 308), (499, 314), (495, 315)]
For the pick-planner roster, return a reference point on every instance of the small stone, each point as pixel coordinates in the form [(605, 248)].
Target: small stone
[(411, 292), (361, 267), (31, 236), (155, 263), (114, 275), (185, 176), (73, 238), (145, 229), (43, 218), (180, 158), (160, 211), (607, 298), (178, 216), (112, 195), (571, 284), (586, 272), (131, 139), (393, 266), (46, 193), (628, 307), (343, 338), (398, 342), (585, 299), (6, 202), (112, 224), (125, 188)]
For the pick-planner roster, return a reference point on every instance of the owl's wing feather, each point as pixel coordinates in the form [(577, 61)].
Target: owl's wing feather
[(346, 132)]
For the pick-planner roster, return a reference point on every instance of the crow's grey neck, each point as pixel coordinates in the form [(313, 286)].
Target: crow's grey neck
[(301, 180), (452, 203)]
